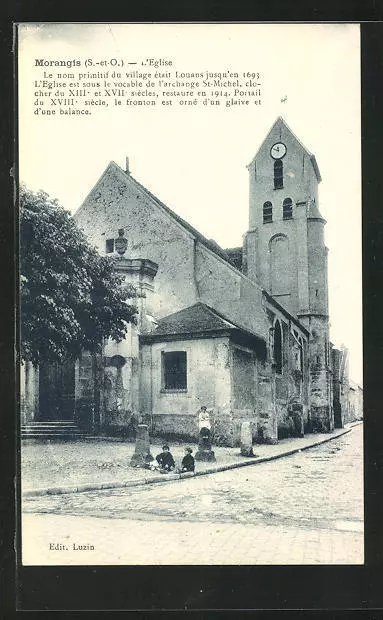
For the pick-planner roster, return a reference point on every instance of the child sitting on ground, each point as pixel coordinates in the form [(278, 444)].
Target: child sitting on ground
[(188, 461), (165, 460)]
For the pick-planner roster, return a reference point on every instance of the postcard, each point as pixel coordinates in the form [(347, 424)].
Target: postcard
[(191, 382)]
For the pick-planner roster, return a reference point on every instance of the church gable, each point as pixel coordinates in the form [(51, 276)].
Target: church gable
[(278, 141), (190, 267), (118, 201), (107, 203), (154, 232)]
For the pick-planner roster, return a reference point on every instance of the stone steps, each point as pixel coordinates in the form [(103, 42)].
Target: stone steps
[(63, 429)]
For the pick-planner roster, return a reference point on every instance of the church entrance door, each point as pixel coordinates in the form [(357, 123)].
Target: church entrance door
[(337, 416), (56, 391)]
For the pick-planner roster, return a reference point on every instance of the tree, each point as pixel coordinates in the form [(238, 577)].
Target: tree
[(71, 298)]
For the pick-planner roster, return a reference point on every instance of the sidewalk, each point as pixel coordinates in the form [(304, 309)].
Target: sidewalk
[(49, 467)]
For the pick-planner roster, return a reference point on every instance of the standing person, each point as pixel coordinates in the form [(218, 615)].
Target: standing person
[(203, 419), (165, 460), (188, 461), (204, 452)]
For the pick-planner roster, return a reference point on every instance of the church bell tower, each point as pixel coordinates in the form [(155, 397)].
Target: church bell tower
[(284, 250)]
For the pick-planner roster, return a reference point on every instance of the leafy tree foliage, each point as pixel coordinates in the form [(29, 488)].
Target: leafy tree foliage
[(71, 297)]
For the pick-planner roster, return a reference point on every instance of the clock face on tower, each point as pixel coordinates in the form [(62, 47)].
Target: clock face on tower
[(278, 150)]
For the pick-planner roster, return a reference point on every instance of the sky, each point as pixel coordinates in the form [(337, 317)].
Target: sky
[(194, 159)]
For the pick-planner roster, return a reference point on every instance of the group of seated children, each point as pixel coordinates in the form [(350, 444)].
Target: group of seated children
[(166, 464)]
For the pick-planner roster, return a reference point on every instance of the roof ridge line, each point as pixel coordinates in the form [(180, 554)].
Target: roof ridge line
[(218, 314), (211, 244), (235, 325)]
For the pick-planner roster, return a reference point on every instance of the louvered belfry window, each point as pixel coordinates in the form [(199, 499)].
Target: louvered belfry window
[(278, 174)]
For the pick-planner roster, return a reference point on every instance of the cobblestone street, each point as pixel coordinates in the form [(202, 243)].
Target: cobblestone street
[(302, 509)]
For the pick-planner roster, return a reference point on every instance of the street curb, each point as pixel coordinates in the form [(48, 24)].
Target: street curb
[(80, 488)]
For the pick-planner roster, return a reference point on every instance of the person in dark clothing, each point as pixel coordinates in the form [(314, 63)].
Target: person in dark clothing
[(165, 460), (188, 461)]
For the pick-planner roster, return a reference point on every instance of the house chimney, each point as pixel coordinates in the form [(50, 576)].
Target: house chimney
[(127, 166)]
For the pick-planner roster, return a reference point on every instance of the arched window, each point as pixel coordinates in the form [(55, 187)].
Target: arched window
[(278, 174), (287, 209), (278, 348), (267, 212), (301, 355)]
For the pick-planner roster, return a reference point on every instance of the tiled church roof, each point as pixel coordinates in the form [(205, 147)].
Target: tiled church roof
[(196, 320)]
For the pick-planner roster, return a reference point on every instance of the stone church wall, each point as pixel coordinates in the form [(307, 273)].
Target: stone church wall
[(244, 397), (117, 202), (318, 287), (321, 398), (208, 384), (230, 292), (221, 376)]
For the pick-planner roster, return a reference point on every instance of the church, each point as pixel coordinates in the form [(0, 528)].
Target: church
[(241, 331)]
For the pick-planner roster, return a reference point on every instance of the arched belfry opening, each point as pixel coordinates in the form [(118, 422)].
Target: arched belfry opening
[(278, 174)]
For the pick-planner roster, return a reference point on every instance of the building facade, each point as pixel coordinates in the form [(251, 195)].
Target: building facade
[(242, 331)]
